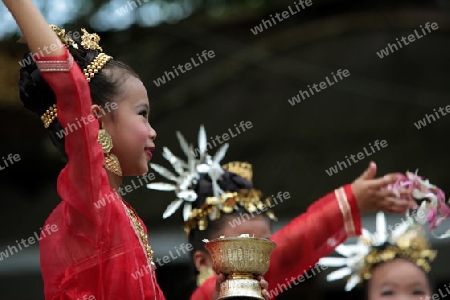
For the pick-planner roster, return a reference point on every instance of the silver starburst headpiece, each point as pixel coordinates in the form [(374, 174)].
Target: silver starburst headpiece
[(188, 175), (407, 240)]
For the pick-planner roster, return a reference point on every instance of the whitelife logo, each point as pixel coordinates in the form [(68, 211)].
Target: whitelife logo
[(360, 156), (187, 66), (47, 231), (225, 136), (391, 48), (165, 260), (11, 158), (302, 95)]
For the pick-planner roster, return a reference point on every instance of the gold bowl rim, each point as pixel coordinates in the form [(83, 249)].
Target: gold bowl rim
[(235, 238)]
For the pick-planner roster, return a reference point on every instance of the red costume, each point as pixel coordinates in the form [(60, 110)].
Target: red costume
[(97, 252), (327, 223)]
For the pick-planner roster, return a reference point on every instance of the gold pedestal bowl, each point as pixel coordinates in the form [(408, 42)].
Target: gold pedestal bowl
[(241, 260)]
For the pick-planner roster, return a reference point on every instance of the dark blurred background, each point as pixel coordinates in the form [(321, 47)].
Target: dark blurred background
[(250, 79)]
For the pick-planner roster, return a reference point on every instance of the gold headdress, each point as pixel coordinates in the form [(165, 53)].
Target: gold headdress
[(407, 241), (189, 174), (89, 41), (243, 169)]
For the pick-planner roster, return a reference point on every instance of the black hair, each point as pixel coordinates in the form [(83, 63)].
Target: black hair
[(229, 182), (37, 96)]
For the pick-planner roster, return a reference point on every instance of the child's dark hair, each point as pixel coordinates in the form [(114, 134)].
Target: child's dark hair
[(229, 182), (37, 96)]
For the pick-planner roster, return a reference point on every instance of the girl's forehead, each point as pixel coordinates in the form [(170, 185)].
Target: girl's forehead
[(394, 271), (258, 226)]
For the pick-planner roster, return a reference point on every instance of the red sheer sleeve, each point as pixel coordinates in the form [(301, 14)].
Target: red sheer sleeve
[(327, 223), (89, 246), (81, 180)]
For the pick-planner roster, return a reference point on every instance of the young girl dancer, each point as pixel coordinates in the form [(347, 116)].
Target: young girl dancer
[(221, 200), (380, 262), (96, 110)]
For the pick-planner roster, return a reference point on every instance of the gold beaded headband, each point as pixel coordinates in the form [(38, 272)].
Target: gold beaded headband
[(213, 207), (243, 169), (89, 41), (211, 210), (412, 246)]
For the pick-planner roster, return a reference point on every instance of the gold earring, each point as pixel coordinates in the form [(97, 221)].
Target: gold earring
[(204, 274), (111, 161)]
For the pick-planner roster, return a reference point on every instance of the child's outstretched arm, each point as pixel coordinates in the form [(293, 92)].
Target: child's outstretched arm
[(327, 223), (83, 182), (35, 29)]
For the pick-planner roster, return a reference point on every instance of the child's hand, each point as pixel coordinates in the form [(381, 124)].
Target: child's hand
[(221, 278), (34, 27), (372, 195)]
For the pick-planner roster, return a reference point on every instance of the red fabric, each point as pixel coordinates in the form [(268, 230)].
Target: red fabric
[(95, 250), (302, 242)]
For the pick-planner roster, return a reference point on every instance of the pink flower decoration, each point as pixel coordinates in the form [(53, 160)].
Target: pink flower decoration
[(435, 208), (432, 218)]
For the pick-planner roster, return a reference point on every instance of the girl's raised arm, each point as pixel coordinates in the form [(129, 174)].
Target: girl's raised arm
[(83, 181), (35, 29)]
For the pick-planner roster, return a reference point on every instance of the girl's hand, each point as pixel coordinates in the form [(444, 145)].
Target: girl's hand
[(39, 36), (372, 195), (221, 278)]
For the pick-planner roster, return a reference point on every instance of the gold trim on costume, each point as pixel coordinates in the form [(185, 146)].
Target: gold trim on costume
[(139, 229), (55, 65)]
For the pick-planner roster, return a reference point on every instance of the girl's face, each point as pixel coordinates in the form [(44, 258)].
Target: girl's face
[(133, 137), (398, 279)]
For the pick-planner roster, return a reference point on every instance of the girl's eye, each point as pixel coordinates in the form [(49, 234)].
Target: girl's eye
[(143, 113), (387, 293), (418, 292)]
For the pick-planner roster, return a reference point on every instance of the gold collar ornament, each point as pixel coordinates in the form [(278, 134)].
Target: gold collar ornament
[(407, 241), (89, 41), (187, 175)]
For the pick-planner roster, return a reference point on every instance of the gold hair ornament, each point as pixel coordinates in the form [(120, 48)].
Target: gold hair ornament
[(243, 169), (407, 241), (228, 202), (50, 115), (89, 41), (96, 66), (412, 246), (64, 37)]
